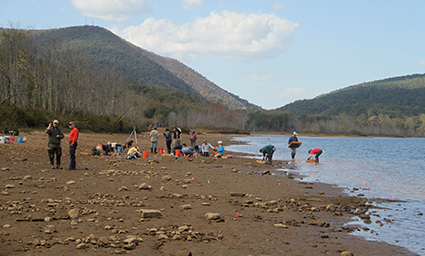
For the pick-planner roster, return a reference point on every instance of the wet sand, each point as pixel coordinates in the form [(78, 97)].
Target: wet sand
[(160, 205)]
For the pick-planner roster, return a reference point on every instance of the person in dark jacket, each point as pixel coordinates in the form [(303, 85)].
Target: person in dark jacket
[(54, 145), (291, 139), (168, 140), (268, 150)]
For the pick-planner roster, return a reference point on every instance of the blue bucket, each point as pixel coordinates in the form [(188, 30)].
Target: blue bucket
[(20, 139), (119, 149)]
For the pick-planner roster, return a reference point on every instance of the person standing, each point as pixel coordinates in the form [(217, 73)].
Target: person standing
[(168, 140), (268, 150), (73, 137), (177, 136), (193, 139), (154, 139), (291, 139), (54, 145), (316, 153)]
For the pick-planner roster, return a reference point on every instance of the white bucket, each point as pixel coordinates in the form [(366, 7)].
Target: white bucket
[(1, 140)]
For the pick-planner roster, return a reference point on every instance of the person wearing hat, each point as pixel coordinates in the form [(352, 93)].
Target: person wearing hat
[(293, 150), (193, 139), (220, 151), (73, 137), (54, 145), (268, 150)]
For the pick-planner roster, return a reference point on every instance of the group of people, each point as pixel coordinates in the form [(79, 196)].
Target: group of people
[(172, 139), (270, 149), (54, 145)]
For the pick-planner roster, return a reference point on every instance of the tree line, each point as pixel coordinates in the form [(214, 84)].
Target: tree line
[(42, 81)]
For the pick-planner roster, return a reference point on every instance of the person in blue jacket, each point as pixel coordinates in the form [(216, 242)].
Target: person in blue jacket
[(220, 151), (187, 152)]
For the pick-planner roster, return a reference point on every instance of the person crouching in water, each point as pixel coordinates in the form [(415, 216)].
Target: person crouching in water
[(316, 153), (268, 150)]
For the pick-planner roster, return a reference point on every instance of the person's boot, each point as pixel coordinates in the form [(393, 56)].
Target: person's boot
[(151, 150), (155, 150), (52, 162), (293, 156)]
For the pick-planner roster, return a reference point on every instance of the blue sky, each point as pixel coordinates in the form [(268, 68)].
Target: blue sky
[(270, 52)]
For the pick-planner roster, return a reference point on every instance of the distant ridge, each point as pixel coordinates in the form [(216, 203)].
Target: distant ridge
[(140, 65), (396, 97)]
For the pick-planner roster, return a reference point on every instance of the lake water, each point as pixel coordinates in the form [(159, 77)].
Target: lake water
[(388, 168)]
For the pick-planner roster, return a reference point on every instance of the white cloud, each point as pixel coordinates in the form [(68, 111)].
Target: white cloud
[(258, 78), (421, 63), (278, 6), (111, 10), (244, 37), (314, 41), (297, 93), (187, 4)]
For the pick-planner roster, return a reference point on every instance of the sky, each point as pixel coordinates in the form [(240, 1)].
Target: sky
[(269, 52)]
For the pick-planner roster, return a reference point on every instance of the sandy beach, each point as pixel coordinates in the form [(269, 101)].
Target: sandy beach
[(169, 206)]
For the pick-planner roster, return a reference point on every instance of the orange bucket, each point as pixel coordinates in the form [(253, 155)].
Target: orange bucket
[(145, 154), (178, 152), (11, 140), (160, 150)]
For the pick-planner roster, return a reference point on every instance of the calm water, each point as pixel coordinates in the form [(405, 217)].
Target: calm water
[(389, 168)]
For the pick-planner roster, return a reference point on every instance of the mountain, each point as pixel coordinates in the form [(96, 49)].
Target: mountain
[(396, 97), (137, 64)]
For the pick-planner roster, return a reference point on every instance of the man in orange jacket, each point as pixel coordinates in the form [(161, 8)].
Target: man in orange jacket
[(73, 137)]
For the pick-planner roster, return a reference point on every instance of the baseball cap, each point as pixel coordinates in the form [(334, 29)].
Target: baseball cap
[(219, 142), (55, 121), (71, 123)]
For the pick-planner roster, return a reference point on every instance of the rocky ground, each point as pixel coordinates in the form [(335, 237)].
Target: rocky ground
[(168, 206)]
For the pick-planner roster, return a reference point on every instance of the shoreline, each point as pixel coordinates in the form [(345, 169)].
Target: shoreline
[(260, 214)]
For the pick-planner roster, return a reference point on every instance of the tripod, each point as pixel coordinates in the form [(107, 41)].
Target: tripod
[(133, 132)]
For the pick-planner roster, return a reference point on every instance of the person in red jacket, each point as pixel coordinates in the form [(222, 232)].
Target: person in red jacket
[(73, 137), (316, 153)]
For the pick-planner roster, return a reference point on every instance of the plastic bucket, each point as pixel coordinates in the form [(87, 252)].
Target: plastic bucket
[(178, 152), (160, 150), (119, 149), (1, 140), (20, 139), (6, 139), (11, 140), (145, 154)]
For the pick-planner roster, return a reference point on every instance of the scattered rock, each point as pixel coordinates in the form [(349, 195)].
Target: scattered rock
[(237, 194), (10, 186), (185, 207), (212, 216), (73, 214), (347, 253), (133, 240), (145, 186), (146, 213), (280, 225), (166, 178), (81, 246), (70, 182), (49, 229), (206, 204), (6, 226)]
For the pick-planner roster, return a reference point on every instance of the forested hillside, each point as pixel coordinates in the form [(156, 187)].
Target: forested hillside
[(42, 78), (396, 97), (144, 67)]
